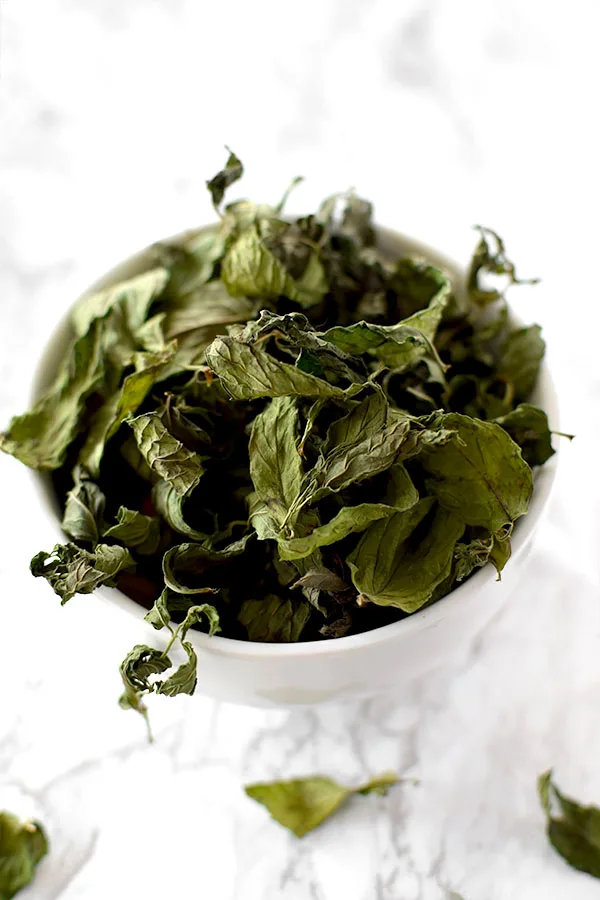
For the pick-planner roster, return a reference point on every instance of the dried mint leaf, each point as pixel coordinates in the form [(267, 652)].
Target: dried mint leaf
[(305, 803), (572, 829), (22, 846)]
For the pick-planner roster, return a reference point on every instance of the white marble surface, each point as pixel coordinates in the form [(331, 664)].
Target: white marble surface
[(112, 114)]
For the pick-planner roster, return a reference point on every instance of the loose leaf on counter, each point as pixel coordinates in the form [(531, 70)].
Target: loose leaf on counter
[(521, 358), (40, 438), (528, 427), (166, 456), (392, 567), (22, 846), (69, 570), (480, 475), (304, 803), (573, 830), (135, 531), (273, 620)]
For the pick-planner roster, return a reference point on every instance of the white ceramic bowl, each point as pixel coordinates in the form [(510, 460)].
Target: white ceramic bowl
[(361, 665)]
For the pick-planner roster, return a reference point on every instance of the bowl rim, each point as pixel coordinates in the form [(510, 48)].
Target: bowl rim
[(544, 479)]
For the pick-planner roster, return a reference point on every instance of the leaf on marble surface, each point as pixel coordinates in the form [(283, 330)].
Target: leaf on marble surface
[(304, 803), (22, 846), (572, 829)]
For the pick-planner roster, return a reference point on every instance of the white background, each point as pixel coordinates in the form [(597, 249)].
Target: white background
[(112, 115)]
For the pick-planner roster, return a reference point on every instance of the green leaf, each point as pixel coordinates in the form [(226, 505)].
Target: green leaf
[(195, 614), (490, 258), (22, 846), (170, 505), (250, 269), (191, 262), (248, 373), (184, 678), (207, 310), (134, 530), (357, 221), (133, 298), (399, 347), (69, 570), (274, 620), (275, 464), (140, 664), (574, 830), (361, 444), (165, 455), (520, 360), (480, 550), (396, 563), (151, 368), (120, 405), (323, 579), (427, 321), (295, 337), (351, 519), (169, 603), (159, 615), (416, 284), (293, 184), (183, 564), (304, 803), (40, 438), (528, 427), (480, 474), (84, 509), (232, 172)]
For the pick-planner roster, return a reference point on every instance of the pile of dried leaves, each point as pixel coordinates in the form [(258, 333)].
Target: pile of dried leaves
[(321, 438)]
